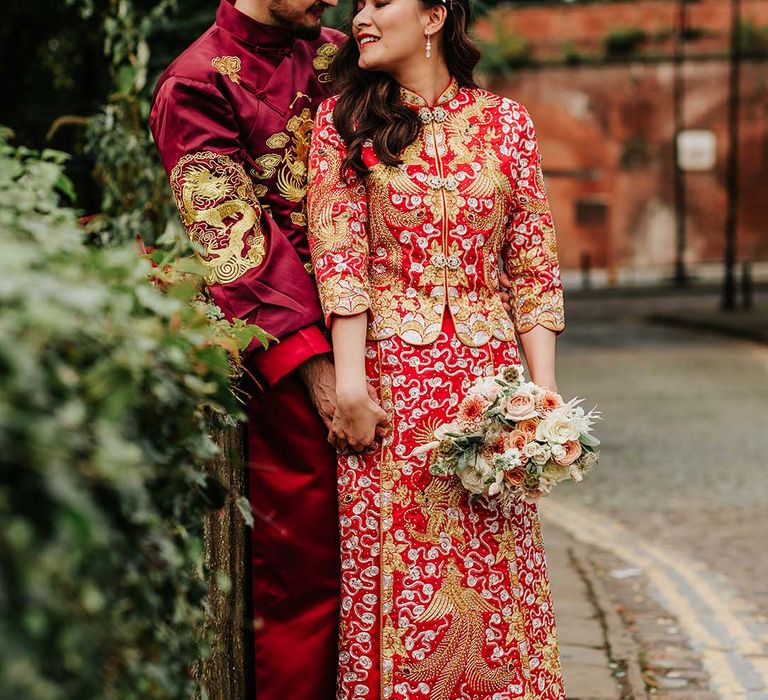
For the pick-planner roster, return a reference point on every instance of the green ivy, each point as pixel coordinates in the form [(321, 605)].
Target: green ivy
[(111, 378), (135, 193)]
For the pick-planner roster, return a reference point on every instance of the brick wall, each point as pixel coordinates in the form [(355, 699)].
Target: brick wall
[(584, 27), (606, 136)]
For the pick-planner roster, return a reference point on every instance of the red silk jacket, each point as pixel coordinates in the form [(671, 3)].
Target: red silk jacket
[(232, 117), (406, 242)]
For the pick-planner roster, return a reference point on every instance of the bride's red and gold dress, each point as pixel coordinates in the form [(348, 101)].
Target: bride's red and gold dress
[(441, 598)]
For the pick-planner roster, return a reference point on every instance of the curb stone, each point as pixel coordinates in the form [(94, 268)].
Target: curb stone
[(622, 649)]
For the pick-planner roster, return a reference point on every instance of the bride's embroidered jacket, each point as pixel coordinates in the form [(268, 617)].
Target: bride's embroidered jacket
[(232, 118), (407, 242)]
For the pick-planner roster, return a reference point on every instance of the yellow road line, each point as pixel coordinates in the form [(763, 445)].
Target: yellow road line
[(608, 534)]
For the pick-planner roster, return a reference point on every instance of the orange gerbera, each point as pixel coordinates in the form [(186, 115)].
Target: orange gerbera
[(548, 401), (471, 413)]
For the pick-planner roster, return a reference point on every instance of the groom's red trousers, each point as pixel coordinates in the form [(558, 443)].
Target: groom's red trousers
[(295, 546)]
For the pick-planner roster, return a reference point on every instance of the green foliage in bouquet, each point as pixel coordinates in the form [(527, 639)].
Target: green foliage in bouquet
[(109, 385)]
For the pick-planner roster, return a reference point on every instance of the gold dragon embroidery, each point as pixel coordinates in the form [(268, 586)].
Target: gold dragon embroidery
[(291, 165), (219, 210)]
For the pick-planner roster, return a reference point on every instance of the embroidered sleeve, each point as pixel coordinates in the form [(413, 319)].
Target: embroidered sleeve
[(221, 213), (338, 231), (253, 272), (530, 254)]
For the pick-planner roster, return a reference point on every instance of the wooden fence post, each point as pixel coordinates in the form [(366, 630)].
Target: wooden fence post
[(227, 672)]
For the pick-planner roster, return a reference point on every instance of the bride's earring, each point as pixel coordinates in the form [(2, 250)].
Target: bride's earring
[(429, 46)]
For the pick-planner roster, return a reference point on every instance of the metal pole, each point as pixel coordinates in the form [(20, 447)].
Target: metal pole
[(728, 301), (680, 277)]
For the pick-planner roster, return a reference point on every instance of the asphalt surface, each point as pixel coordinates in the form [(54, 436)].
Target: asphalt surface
[(681, 493)]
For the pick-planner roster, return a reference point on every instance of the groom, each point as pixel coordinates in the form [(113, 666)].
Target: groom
[(232, 119)]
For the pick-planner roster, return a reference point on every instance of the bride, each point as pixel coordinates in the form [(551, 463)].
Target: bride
[(421, 183)]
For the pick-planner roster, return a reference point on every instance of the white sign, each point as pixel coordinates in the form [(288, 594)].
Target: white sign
[(696, 150)]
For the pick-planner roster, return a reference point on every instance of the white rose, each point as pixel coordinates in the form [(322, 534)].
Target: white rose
[(556, 473), (473, 481), (475, 477), (558, 451), (487, 388), (556, 428), (542, 454), (530, 449)]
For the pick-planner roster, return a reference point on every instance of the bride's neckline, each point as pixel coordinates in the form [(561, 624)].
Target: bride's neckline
[(410, 97)]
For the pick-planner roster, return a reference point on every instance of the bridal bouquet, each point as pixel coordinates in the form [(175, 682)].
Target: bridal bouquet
[(513, 439)]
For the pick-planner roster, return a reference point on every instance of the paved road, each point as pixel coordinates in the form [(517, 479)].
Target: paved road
[(682, 491)]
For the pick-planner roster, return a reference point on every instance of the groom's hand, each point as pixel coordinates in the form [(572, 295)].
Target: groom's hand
[(319, 376)]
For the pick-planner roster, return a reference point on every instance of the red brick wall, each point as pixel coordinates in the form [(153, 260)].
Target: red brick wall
[(606, 135), (549, 28)]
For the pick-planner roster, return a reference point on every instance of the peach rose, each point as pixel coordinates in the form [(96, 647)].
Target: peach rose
[(515, 476), (528, 427), (501, 442), (520, 407), (517, 439), (572, 453)]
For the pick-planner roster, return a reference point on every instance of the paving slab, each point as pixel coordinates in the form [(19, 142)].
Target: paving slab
[(587, 667)]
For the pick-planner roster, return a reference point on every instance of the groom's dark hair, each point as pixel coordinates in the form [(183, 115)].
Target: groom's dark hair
[(369, 105)]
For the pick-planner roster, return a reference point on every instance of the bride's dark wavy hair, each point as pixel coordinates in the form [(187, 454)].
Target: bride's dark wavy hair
[(369, 105)]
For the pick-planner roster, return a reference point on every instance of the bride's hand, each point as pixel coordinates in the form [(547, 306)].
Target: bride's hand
[(357, 421)]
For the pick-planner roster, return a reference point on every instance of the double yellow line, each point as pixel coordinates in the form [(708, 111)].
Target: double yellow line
[(710, 615)]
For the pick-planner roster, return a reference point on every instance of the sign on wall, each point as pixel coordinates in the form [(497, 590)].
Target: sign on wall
[(696, 150)]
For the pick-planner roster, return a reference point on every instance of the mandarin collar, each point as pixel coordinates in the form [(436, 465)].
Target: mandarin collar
[(249, 30), (415, 100)]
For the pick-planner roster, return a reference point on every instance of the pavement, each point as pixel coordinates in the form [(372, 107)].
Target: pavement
[(697, 306), (600, 660), (620, 639)]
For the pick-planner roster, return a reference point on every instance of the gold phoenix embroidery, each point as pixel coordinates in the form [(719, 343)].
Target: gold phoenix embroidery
[(229, 66), (439, 502), (219, 209), (460, 651)]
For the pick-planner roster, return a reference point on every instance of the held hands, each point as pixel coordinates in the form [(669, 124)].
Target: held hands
[(319, 376), (358, 420), (349, 427)]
